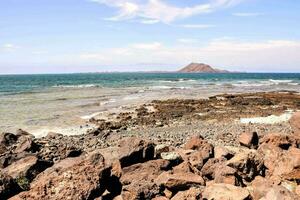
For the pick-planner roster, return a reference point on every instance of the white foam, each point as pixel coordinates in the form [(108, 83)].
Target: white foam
[(272, 119), (76, 86), (87, 117)]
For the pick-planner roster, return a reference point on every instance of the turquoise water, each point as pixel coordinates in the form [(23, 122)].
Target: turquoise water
[(12, 84)]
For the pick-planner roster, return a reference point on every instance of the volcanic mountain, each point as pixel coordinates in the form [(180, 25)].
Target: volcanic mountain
[(200, 68)]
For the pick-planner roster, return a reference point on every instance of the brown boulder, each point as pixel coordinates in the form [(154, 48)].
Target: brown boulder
[(248, 164), (280, 193), (270, 154), (225, 192), (227, 175), (288, 163), (25, 170), (134, 150), (179, 181), (259, 187), (221, 151), (209, 169), (282, 163), (249, 139), (185, 167), (138, 179), (82, 177), (282, 141), (199, 144)]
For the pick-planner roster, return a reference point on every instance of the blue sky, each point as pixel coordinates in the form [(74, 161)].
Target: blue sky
[(61, 36)]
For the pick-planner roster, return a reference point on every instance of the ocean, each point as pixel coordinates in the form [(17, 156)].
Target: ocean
[(64, 102), (14, 84)]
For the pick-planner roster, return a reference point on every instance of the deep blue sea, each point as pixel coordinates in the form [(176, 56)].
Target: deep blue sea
[(12, 84)]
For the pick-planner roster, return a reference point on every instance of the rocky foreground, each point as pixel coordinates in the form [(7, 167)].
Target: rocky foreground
[(252, 165)]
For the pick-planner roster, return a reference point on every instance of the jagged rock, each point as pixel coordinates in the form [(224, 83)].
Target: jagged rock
[(281, 140), (199, 144), (259, 187), (270, 153), (138, 179), (82, 177), (191, 194), (8, 187), (228, 175), (130, 151), (179, 181), (25, 170), (279, 193), (134, 150), (220, 152), (209, 169), (249, 139), (25, 143), (288, 163), (283, 163), (248, 164), (6, 140), (225, 192), (196, 160)]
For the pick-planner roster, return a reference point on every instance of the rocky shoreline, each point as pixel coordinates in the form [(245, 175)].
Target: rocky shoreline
[(173, 149)]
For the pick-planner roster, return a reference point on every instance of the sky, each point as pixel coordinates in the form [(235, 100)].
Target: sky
[(67, 36)]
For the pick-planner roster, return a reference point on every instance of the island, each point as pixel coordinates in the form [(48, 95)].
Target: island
[(201, 68)]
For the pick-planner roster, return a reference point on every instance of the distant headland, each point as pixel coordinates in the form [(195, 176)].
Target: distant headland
[(201, 68)]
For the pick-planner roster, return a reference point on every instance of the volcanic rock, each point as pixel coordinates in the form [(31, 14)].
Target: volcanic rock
[(179, 181), (138, 179), (249, 139), (225, 192), (199, 144), (82, 177), (248, 164)]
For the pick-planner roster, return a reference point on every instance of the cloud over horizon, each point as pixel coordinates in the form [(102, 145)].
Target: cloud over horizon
[(219, 52), (160, 11)]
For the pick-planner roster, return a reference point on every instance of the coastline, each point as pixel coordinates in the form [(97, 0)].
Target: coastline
[(137, 152)]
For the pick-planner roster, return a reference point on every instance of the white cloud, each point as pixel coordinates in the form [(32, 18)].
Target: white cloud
[(273, 55), (9, 47), (161, 11), (198, 26), (246, 14), (149, 21)]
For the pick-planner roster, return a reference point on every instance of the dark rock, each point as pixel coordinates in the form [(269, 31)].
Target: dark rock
[(8, 187)]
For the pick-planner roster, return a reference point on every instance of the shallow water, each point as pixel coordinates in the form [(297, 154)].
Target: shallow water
[(41, 103)]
